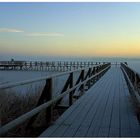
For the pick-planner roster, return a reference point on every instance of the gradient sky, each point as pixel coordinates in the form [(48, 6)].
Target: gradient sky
[(73, 29)]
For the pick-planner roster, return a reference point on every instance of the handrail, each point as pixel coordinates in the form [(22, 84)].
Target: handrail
[(25, 82), (31, 113), (133, 81), (47, 104), (132, 74), (124, 64), (49, 63), (46, 65)]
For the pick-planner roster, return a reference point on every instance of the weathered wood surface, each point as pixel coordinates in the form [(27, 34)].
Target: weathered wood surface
[(104, 111)]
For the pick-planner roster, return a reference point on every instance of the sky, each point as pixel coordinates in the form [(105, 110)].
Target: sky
[(70, 29)]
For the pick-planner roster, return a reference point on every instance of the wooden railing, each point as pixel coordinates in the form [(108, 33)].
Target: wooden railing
[(133, 82), (45, 66), (87, 77)]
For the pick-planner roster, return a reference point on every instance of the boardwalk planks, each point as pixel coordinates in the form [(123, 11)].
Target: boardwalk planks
[(104, 111)]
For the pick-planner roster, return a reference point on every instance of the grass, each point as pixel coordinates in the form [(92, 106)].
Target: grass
[(13, 105)]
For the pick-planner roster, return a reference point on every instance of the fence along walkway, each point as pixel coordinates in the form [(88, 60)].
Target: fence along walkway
[(105, 111), (88, 76), (45, 66)]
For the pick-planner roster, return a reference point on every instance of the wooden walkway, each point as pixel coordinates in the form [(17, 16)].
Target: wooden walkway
[(104, 111), (45, 66)]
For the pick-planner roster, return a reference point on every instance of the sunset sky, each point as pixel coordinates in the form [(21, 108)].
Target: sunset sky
[(70, 29)]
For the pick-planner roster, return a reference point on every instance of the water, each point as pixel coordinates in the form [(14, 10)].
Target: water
[(58, 82), (15, 76), (135, 65)]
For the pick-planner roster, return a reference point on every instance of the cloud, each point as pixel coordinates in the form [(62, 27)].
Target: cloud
[(46, 34), (35, 34), (10, 30)]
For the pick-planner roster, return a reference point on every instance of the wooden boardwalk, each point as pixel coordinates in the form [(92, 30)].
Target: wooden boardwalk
[(45, 66), (104, 111)]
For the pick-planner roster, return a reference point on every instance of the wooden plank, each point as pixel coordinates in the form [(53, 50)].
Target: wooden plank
[(96, 122), (82, 115), (104, 130), (88, 119), (68, 113), (105, 111), (133, 122), (115, 120), (124, 118), (75, 119), (96, 133), (51, 129), (72, 109)]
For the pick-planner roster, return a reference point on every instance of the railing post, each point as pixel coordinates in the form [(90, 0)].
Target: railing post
[(69, 83), (49, 110), (0, 121), (45, 96), (97, 70), (93, 73), (71, 93), (88, 74), (82, 88), (89, 82)]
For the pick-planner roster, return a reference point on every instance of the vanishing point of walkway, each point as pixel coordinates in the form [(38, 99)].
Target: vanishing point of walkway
[(104, 111)]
